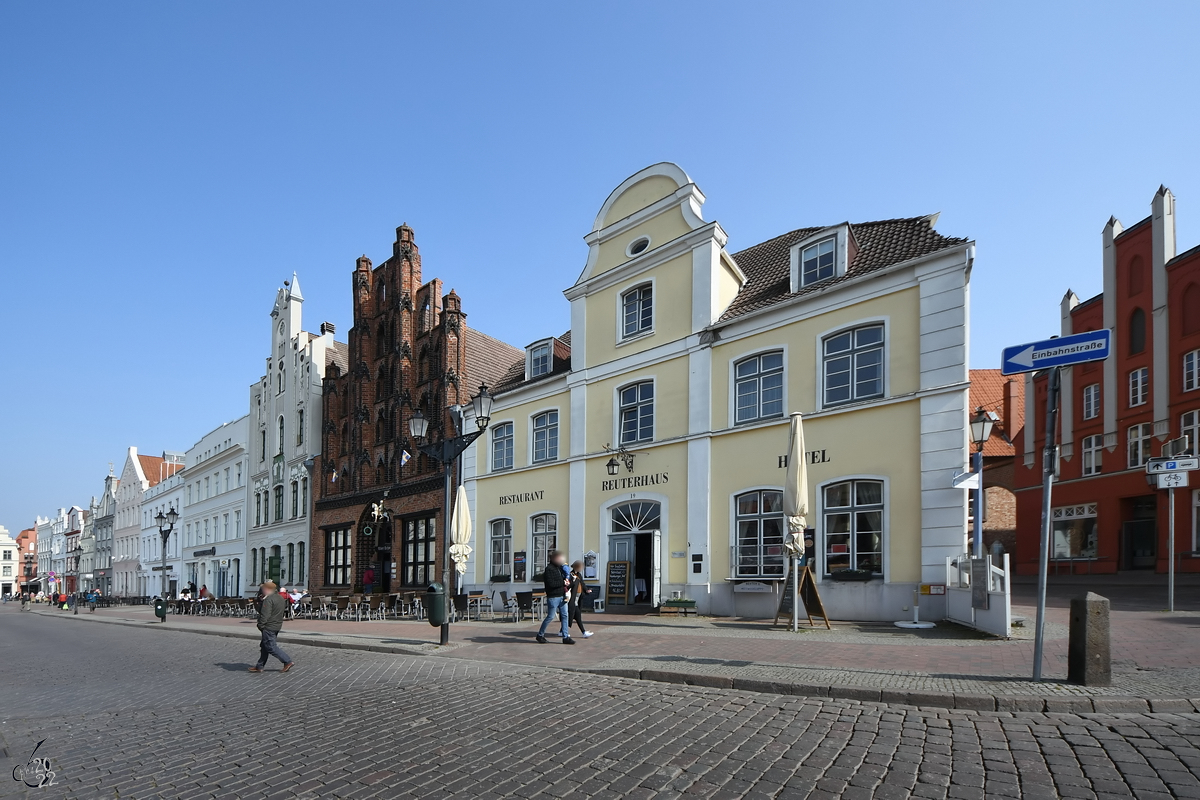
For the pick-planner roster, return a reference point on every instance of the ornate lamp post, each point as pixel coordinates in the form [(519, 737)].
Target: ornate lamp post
[(444, 452), (981, 429), (166, 524)]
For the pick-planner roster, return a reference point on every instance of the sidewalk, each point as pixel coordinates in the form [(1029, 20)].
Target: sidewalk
[(1153, 656)]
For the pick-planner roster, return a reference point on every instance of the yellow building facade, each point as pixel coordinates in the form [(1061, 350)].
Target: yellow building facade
[(688, 360)]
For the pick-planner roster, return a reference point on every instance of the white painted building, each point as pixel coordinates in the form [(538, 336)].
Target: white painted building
[(104, 515), (44, 527), (86, 560), (285, 436), (10, 563), (139, 474), (158, 499), (213, 516)]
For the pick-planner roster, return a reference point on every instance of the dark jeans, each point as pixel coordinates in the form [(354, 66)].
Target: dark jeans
[(575, 615), (269, 647)]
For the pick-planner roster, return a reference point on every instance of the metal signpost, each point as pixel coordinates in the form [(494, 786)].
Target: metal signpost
[(1051, 354), (1171, 473)]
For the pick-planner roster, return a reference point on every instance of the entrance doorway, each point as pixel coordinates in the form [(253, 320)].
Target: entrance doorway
[(636, 537), (1139, 533)]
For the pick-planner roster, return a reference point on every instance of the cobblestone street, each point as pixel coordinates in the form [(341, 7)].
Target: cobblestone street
[(142, 713)]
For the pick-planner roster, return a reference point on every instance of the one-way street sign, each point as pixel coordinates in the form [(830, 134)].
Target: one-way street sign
[(1157, 466), (1060, 352)]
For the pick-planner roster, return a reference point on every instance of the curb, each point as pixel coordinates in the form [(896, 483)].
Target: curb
[(1059, 704), (1107, 704), (288, 639)]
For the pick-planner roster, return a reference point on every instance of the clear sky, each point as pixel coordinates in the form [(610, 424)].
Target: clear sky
[(165, 166)]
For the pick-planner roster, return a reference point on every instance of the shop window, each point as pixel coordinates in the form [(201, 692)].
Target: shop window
[(759, 387), (853, 365), (760, 531), (1140, 437), (1139, 386), (502, 446), (500, 542), (545, 539), (1191, 371), (637, 412), (545, 437), (1074, 532), (337, 557), (418, 551), (817, 261), (637, 311), (854, 526), (1093, 452), (1091, 401)]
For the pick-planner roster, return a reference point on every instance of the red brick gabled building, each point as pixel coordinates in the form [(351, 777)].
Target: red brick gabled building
[(410, 348), (1003, 397), (1116, 414)]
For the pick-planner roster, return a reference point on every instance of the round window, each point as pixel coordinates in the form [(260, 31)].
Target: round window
[(638, 246)]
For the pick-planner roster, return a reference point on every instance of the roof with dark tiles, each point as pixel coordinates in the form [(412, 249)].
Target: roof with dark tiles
[(881, 244), (488, 359), (339, 356), (514, 375)]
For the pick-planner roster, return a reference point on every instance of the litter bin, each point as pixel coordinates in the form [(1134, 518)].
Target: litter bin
[(160, 609), (435, 604)]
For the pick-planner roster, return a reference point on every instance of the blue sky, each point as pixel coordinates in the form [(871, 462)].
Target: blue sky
[(165, 166)]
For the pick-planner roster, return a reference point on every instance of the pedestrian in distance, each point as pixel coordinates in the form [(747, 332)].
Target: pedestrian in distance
[(368, 580), (557, 586), (270, 622), (577, 592)]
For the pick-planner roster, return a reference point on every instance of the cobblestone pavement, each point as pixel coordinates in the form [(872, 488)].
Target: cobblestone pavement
[(130, 712)]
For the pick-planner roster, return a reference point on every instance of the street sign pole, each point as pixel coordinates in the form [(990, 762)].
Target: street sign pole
[(1171, 549), (1047, 523)]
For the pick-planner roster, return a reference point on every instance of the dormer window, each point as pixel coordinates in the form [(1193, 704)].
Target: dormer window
[(816, 261), (540, 360), (824, 255)]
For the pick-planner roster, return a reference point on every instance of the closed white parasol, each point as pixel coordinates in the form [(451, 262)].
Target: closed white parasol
[(460, 532), (795, 506)]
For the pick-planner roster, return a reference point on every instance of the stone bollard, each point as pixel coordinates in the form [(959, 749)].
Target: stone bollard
[(1089, 656)]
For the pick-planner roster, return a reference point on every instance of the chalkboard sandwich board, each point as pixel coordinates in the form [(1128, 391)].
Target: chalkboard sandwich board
[(617, 581)]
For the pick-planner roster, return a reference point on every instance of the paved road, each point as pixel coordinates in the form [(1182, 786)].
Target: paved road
[(143, 713)]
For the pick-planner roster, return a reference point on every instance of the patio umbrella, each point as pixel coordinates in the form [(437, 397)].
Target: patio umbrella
[(460, 532), (795, 505)]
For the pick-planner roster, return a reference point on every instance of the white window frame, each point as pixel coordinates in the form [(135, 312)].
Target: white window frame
[(733, 532), (1195, 520), (1144, 436), (1092, 455), (533, 429), (733, 382), (1191, 371), (841, 237), (1191, 428), (653, 381), (885, 534), (529, 351), (1139, 387), (854, 326), (1091, 401), (491, 439), (492, 574), (533, 544), (630, 287)]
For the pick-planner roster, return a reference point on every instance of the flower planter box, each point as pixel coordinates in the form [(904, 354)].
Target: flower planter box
[(852, 575)]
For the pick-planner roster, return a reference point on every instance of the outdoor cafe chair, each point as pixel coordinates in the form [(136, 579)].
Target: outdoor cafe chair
[(509, 604), (376, 607), (462, 607), (343, 608), (524, 604)]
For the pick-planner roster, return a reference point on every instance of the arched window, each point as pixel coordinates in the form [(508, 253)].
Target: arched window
[(545, 539), (1137, 276), (1191, 309), (1137, 331), (760, 529), (280, 451)]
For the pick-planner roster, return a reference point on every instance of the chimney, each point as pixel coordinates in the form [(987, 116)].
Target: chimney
[(327, 327), (1010, 410)]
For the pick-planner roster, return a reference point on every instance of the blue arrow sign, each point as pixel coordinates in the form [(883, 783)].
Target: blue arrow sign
[(1060, 352)]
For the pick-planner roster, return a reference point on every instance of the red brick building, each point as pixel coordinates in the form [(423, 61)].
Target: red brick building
[(1005, 398), (1117, 413), (410, 348), (27, 548)]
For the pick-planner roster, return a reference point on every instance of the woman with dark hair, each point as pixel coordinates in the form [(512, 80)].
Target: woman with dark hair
[(578, 590)]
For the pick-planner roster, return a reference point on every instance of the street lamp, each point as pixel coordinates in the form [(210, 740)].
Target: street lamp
[(444, 452), (166, 524), (620, 456), (981, 429)]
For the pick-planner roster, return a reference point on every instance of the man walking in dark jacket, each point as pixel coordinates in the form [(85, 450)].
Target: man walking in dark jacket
[(270, 622), (555, 579)]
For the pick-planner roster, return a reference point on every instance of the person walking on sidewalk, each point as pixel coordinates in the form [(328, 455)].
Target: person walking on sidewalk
[(575, 606), (557, 586), (270, 622)]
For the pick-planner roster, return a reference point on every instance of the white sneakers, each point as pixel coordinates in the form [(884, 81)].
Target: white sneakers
[(587, 635)]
